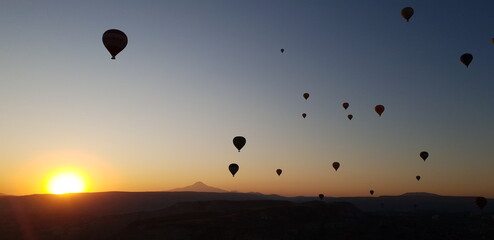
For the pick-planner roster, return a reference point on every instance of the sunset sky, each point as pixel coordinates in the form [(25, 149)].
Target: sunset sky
[(195, 74)]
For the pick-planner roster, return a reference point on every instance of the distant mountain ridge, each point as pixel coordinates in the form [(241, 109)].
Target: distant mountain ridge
[(198, 187)]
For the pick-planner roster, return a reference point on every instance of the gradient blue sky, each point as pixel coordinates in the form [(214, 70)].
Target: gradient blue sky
[(197, 73)]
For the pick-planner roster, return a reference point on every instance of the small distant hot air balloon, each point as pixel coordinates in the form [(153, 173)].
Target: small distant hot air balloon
[(115, 41), (279, 171), (481, 202), (350, 116), (282, 50), (424, 155), (345, 105), (321, 196), (306, 95), (233, 169), (418, 178), (239, 142), (492, 40), (336, 165), (304, 115), (371, 192), (379, 109), (466, 59), (407, 13)]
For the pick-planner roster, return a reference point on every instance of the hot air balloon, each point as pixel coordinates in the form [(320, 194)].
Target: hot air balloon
[(407, 13), (115, 41), (239, 142), (306, 95), (492, 40), (233, 168), (304, 115), (321, 196), (279, 171), (466, 59), (336, 165), (379, 109), (345, 105), (350, 116), (418, 178), (424, 155), (481, 202), (282, 50), (371, 192)]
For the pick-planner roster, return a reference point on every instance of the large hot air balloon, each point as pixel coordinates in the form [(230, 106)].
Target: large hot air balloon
[(407, 13), (321, 196), (336, 165), (379, 109), (282, 50), (418, 178), (481, 202), (279, 171), (350, 116), (424, 155), (306, 95), (304, 115), (371, 192), (115, 41), (233, 168), (345, 105), (239, 142), (466, 59)]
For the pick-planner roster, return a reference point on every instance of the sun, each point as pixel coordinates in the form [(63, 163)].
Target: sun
[(66, 182)]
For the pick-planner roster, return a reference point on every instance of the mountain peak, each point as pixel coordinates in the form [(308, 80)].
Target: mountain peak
[(198, 187)]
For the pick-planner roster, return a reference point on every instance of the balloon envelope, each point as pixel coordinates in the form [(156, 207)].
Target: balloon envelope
[(424, 155), (279, 171), (418, 178), (379, 109), (345, 105), (407, 13), (371, 192), (115, 41), (304, 115), (350, 116), (233, 169), (336, 165), (321, 196), (239, 142), (282, 50), (306, 95), (481, 202), (466, 59)]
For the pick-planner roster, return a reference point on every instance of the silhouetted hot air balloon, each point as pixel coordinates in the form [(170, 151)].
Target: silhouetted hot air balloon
[(345, 105), (282, 50), (279, 171), (407, 13), (379, 109), (418, 178), (115, 41), (466, 59), (336, 165), (492, 40), (481, 202), (306, 95), (424, 155), (304, 115), (321, 196), (371, 192), (233, 168), (239, 142), (350, 116)]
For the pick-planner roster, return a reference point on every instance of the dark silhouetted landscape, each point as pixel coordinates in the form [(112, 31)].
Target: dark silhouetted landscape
[(232, 215)]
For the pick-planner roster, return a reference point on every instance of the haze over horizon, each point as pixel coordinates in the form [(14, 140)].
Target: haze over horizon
[(195, 74)]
